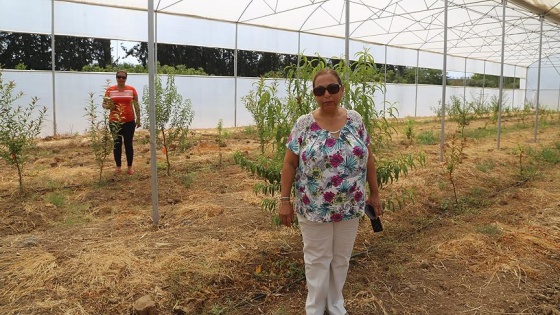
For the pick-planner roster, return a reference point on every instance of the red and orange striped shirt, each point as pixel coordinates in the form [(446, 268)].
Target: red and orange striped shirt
[(124, 109)]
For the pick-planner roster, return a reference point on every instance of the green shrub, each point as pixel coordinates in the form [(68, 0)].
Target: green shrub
[(549, 155), (427, 138), (99, 134), (19, 126), (275, 117), (173, 115), (409, 129), (56, 199), (485, 166), (489, 229)]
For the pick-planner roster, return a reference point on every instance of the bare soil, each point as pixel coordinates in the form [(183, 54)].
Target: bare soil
[(75, 244)]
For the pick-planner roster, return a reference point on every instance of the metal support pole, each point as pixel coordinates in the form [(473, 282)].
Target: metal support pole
[(513, 87), (53, 68), (347, 46), (235, 56), (443, 83), (347, 34), (152, 91), (155, 43), (525, 101), (484, 82), (385, 83), (558, 104), (298, 76), (416, 83), (298, 51), (538, 82), (465, 85), (501, 92)]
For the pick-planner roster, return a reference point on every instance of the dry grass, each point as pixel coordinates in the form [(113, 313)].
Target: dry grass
[(71, 245)]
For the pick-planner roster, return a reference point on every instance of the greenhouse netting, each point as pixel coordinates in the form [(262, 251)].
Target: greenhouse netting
[(407, 33)]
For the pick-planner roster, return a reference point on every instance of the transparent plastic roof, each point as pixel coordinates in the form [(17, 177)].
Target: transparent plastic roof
[(474, 26)]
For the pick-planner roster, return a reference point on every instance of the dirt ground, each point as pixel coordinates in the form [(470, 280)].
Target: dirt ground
[(72, 244)]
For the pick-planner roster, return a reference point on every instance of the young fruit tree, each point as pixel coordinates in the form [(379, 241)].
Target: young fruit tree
[(19, 126), (275, 116), (174, 115), (99, 134)]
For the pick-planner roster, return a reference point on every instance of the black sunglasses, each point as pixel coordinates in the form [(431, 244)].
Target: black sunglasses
[(121, 77), (333, 88)]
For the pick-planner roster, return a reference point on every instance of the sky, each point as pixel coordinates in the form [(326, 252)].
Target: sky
[(119, 54)]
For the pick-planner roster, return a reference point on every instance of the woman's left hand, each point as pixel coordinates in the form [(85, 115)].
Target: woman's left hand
[(375, 202), (286, 213)]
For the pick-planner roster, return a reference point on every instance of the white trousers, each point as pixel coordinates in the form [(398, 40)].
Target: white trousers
[(327, 248)]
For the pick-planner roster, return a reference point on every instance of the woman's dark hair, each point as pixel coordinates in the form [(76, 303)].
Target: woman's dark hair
[(122, 71), (327, 71)]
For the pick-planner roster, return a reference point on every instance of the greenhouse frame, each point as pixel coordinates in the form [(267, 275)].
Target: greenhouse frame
[(511, 38)]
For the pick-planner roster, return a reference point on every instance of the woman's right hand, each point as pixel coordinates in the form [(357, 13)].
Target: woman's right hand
[(109, 105), (286, 213)]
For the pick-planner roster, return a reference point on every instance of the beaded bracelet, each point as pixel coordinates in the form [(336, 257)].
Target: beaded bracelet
[(285, 198)]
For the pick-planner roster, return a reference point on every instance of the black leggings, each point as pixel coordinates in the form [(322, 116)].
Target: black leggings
[(123, 133)]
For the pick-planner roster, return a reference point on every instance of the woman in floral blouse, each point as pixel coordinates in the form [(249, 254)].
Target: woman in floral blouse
[(330, 161)]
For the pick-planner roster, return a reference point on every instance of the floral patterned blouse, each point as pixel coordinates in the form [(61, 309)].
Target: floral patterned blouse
[(331, 176)]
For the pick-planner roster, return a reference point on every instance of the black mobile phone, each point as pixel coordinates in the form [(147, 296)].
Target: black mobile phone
[(375, 221)]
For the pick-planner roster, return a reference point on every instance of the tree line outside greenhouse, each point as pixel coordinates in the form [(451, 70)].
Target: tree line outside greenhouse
[(33, 52)]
